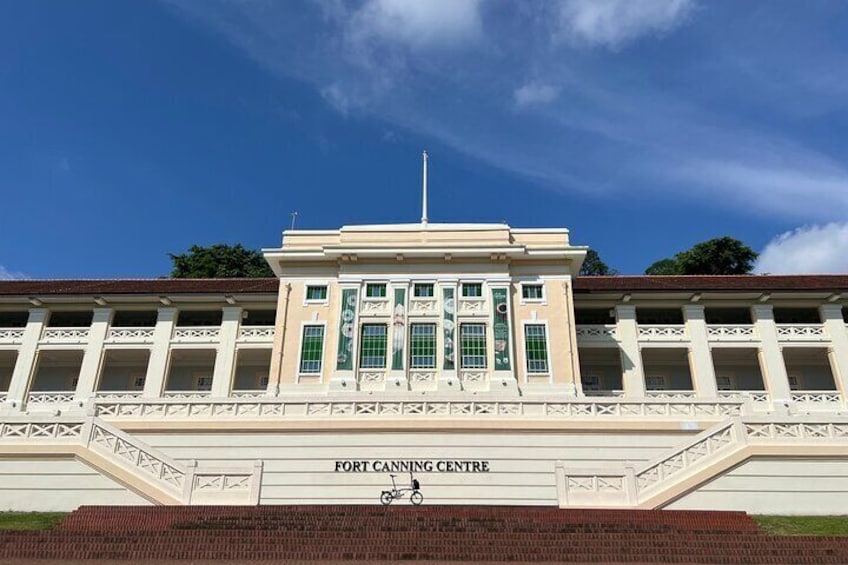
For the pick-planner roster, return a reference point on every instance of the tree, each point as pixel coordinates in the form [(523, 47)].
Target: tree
[(592, 265), (219, 261), (719, 256), (664, 267)]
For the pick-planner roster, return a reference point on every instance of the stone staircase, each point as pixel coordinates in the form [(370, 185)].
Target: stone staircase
[(132, 463), (701, 459), (406, 533)]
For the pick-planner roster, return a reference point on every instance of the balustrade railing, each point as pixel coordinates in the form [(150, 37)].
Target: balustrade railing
[(50, 397), (117, 394), (731, 332), (597, 332), (256, 333), (130, 335), (65, 335), (817, 400), (187, 394), (662, 332), (11, 335), (801, 332), (197, 334), (671, 394)]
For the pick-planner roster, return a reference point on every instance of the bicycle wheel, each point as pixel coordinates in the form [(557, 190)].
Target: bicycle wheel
[(416, 498), (386, 498)]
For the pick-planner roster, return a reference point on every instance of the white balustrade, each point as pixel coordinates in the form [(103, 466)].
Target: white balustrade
[(199, 334), (117, 394), (760, 400), (130, 335), (817, 400), (597, 332), (801, 332), (187, 394), (671, 394), (423, 307), (659, 408), (662, 332), (65, 335), (472, 306), (248, 394), (11, 335), (50, 397), (256, 334), (731, 332)]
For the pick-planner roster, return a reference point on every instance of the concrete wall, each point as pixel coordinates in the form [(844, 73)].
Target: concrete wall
[(776, 486), (300, 466), (47, 484)]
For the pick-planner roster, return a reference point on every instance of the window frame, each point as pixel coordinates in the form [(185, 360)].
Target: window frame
[(462, 354), (542, 299), (362, 343), (370, 285), (198, 378), (467, 284), (430, 285), (649, 388), (435, 345), (316, 284), (544, 325), (595, 388), (301, 345)]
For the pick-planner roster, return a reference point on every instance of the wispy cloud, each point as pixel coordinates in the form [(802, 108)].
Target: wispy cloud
[(605, 118), (808, 249), (611, 23), (7, 275), (535, 93)]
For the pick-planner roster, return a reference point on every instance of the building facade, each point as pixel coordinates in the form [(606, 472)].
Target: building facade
[(470, 357)]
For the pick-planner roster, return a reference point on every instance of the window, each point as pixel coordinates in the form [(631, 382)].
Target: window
[(472, 346), (372, 352), (532, 292), (794, 382), (311, 349), (203, 383), (422, 346), (472, 290), (423, 290), (536, 346), (724, 383), (262, 380), (137, 383), (316, 293), (591, 383), (655, 382), (375, 290)]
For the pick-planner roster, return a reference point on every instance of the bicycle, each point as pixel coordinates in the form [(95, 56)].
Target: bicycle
[(415, 497)]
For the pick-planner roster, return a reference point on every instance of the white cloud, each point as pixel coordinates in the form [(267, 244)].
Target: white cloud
[(808, 249), (7, 275), (611, 23), (418, 24), (535, 93)]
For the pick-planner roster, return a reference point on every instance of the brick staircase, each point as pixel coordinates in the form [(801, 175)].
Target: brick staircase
[(406, 533)]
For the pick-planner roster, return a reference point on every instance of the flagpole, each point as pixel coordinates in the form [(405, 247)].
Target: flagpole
[(424, 198)]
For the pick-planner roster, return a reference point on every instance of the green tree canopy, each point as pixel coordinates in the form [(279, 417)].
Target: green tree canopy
[(593, 265), (719, 256), (219, 261)]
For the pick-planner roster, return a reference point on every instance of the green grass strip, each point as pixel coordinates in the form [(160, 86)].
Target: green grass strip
[(803, 525), (30, 520)]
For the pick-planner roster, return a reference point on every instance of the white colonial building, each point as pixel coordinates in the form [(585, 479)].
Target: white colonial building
[(471, 354)]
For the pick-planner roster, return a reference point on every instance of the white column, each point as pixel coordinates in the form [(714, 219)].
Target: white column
[(834, 326), (93, 356), (225, 360), (632, 372), (25, 363), (700, 358), (771, 357), (157, 366)]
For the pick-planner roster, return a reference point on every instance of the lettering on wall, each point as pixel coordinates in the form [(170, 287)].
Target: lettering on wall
[(411, 466)]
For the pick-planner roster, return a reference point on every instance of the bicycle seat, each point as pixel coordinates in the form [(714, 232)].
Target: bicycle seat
[(392, 475)]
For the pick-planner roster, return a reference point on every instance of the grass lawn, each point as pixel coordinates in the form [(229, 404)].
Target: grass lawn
[(30, 520), (803, 525)]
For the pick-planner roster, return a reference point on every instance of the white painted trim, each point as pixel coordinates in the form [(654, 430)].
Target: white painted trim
[(320, 373), (527, 373), (315, 302), (540, 301)]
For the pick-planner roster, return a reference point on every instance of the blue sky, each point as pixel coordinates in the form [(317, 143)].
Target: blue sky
[(129, 130)]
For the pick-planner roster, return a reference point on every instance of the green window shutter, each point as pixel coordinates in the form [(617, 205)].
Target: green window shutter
[(372, 351), (536, 348), (311, 349)]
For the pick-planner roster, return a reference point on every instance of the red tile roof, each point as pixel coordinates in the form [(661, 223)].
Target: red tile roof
[(712, 283), (764, 283), (138, 286)]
